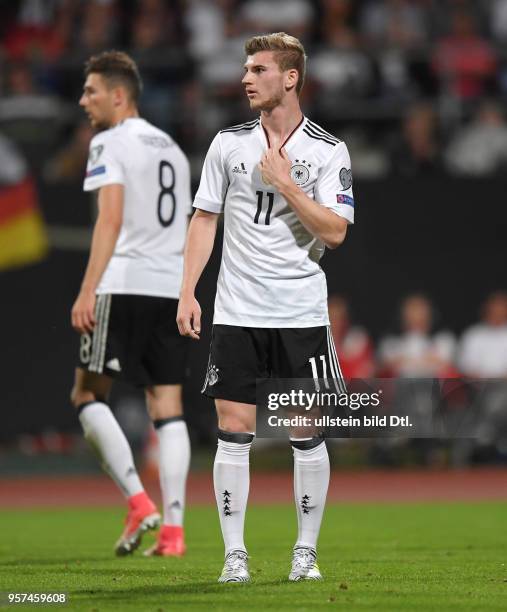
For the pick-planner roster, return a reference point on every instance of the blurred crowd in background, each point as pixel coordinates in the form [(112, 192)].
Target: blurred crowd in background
[(418, 347), (412, 86)]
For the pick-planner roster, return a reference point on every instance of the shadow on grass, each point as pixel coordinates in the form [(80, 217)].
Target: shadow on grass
[(193, 588), (10, 563)]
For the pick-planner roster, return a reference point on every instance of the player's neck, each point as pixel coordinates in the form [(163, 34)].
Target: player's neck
[(280, 122), (123, 114)]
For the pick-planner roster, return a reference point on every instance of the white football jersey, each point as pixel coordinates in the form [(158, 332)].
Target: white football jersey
[(483, 351), (155, 174), (270, 274)]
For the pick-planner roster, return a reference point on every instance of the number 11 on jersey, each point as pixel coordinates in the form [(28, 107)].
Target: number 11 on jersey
[(260, 198)]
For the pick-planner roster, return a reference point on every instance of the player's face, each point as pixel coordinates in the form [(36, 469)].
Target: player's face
[(98, 101), (263, 81)]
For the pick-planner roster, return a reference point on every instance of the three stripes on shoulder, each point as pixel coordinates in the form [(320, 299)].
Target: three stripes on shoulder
[(249, 125), (310, 129), (315, 131)]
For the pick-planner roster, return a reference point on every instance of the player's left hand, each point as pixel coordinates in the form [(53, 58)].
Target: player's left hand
[(83, 312), (275, 166)]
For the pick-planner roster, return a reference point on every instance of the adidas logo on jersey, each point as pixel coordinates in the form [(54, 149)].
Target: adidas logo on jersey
[(114, 364), (240, 169)]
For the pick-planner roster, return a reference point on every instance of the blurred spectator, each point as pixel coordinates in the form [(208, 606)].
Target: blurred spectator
[(353, 345), (401, 24), (97, 30), (464, 61), (336, 23), (416, 148), (417, 352), (293, 16), (69, 163), (149, 38), (396, 30), (163, 63), (42, 30), (209, 23), (483, 349), (219, 95), (480, 149), (27, 115), (483, 354), (442, 13), (415, 357), (498, 20), (338, 70)]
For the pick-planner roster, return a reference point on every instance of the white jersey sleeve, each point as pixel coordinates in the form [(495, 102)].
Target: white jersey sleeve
[(333, 187), (104, 166), (214, 180)]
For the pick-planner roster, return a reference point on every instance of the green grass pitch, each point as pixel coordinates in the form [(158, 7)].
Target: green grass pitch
[(374, 557)]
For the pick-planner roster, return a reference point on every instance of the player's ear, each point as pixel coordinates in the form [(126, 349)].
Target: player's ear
[(119, 95), (291, 79)]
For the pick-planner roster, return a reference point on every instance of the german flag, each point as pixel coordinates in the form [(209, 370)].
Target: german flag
[(23, 238)]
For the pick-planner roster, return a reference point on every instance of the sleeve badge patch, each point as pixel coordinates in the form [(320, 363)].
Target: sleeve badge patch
[(95, 153), (346, 178), (341, 198), (96, 171)]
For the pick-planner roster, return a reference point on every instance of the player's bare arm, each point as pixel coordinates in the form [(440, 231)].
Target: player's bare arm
[(198, 247), (105, 235), (321, 222)]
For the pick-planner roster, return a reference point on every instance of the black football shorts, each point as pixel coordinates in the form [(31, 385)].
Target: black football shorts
[(240, 355), (135, 339)]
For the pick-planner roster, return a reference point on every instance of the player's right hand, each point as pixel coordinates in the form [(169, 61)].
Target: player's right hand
[(189, 317), (83, 312)]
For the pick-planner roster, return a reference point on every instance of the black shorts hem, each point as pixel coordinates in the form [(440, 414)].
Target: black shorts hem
[(230, 397), (170, 382), (140, 383)]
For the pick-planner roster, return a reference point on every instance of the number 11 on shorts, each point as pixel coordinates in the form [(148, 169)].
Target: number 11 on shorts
[(315, 374)]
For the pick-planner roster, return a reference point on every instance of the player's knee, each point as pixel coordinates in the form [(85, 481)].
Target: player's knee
[(79, 396), (236, 437), (160, 409), (232, 423)]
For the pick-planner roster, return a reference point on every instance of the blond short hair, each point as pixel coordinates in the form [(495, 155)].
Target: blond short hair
[(288, 50)]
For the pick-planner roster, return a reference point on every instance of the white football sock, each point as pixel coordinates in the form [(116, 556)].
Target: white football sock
[(231, 478), (311, 480), (106, 437), (174, 453)]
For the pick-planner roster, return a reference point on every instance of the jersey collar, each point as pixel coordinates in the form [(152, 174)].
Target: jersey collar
[(128, 119), (290, 138)]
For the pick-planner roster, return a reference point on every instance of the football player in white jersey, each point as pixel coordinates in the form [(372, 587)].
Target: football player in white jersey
[(284, 185), (126, 307)]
